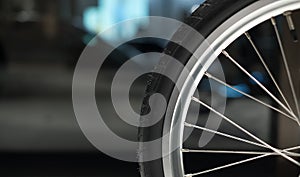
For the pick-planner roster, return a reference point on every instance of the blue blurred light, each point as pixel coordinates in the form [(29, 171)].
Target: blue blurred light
[(231, 93), (110, 12), (90, 19), (259, 77)]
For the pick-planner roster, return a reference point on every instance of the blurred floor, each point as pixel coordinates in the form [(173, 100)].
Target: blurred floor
[(40, 136), (68, 164), (39, 133)]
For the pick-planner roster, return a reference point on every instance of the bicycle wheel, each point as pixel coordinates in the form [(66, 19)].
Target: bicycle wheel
[(256, 43)]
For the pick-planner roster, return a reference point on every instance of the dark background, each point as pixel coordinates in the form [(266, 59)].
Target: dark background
[(40, 43)]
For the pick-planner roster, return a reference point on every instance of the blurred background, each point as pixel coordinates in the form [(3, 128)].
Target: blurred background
[(40, 43)]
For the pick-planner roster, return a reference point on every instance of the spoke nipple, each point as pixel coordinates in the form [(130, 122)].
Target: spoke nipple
[(225, 53), (190, 175), (194, 99), (185, 150), (187, 124), (289, 19), (208, 75), (248, 35), (273, 21), (287, 13)]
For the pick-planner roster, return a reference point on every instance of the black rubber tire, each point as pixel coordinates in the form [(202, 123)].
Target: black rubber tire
[(205, 20)]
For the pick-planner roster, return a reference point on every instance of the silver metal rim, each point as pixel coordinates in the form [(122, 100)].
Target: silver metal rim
[(218, 40)]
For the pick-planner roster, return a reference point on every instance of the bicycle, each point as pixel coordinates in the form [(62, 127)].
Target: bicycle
[(224, 24)]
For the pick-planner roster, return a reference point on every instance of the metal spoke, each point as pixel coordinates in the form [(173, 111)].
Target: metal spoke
[(232, 137), (258, 83), (249, 96), (286, 108), (247, 132), (237, 163), (232, 152), (286, 67), (225, 135), (267, 69)]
